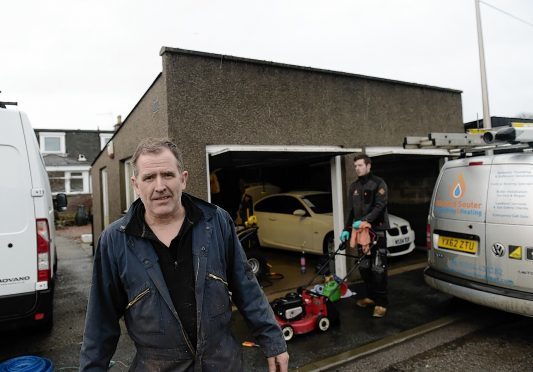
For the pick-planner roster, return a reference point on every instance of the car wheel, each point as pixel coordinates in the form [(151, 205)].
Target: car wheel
[(287, 332), (258, 263), (329, 244), (323, 323)]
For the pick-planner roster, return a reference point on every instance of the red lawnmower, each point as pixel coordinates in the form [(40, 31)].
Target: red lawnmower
[(305, 310)]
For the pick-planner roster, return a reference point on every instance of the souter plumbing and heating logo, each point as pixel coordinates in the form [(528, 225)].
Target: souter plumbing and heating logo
[(458, 188), (455, 205)]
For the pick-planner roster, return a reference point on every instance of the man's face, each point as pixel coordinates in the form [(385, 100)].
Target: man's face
[(159, 183), (361, 169)]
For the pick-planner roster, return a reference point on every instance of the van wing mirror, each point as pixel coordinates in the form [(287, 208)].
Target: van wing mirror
[(60, 202)]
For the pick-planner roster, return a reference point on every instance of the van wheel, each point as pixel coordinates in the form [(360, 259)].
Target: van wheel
[(48, 324), (55, 263)]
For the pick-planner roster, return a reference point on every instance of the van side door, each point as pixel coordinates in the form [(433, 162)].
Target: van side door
[(510, 223)]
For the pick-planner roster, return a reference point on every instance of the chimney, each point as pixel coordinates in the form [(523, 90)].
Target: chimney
[(118, 123)]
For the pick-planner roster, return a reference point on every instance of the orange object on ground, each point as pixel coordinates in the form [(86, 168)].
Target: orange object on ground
[(249, 344)]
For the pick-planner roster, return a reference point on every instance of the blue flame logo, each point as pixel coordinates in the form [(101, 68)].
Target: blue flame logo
[(457, 192), (458, 188)]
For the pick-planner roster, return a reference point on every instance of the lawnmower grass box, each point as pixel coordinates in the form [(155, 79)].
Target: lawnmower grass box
[(27, 237), (480, 231)]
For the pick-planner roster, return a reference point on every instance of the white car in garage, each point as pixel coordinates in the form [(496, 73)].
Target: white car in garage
[(303, 221)]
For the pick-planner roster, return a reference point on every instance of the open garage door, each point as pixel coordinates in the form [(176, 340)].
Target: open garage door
[(410, 175), (288, 167)]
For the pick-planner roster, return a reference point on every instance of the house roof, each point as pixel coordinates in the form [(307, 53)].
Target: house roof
[(56, 160), (77, 142)]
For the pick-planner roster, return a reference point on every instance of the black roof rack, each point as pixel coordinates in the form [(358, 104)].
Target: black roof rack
[(4, 104)]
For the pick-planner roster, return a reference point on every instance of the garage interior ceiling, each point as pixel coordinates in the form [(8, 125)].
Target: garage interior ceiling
[(262, 156)]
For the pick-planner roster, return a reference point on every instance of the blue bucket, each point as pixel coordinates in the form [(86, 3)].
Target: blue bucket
[(28, 363)]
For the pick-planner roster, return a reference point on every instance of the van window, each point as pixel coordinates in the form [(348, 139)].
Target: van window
[(14, 190), (461, 193), (510, 198)]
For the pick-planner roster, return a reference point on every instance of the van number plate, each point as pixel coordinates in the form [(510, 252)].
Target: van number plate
[(463, 245)]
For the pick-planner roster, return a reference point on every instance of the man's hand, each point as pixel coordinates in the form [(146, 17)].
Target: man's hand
[(278, 363), (345, 235)]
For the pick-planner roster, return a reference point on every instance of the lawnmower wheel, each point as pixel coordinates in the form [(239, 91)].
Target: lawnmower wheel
[(287, 332), (323, 323)]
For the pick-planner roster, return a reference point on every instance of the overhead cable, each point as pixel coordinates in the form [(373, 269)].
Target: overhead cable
[(507, 13)]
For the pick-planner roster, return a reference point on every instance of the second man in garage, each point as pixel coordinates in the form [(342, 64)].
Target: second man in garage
[(368, 201)]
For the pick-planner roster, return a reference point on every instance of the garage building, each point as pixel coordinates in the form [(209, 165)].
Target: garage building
[(270, 122)]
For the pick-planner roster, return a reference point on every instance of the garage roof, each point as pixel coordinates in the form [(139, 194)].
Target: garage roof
[(373, 151)]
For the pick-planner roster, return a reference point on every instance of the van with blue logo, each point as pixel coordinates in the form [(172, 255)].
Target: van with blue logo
[(480, 231)]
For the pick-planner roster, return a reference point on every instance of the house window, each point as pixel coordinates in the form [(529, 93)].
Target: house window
[(69, 182), (104, 139), (76, 181), (129, 191), (52, 142), (57, 181)]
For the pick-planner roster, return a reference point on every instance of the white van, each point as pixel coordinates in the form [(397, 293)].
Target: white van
[(27, 236), (480, 231)]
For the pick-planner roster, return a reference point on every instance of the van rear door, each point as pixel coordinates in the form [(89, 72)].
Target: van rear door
[(510, 222), (18, 241), (457, 219)]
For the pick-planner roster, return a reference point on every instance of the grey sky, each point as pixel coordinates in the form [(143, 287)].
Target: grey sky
[(78, 64)]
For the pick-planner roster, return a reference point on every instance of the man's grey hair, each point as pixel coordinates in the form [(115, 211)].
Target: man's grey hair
[(155, 146)]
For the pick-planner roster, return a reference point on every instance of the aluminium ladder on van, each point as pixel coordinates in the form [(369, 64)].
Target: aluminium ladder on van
[(515, 137)]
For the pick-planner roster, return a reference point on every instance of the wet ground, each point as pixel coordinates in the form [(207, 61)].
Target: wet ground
[(286, 273), (411, 303), (62, 344)]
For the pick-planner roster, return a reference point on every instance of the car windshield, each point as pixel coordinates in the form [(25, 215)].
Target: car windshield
[(319, 203)]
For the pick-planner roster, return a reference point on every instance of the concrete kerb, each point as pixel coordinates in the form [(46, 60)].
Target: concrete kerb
[(372, 347)]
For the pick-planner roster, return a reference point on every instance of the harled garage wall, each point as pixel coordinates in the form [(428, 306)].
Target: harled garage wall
[(214, 99)]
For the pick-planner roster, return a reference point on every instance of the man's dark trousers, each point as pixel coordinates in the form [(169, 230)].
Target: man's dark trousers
[(374, 271)]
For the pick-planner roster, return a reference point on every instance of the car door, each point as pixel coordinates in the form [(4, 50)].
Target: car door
[(278, 226)]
